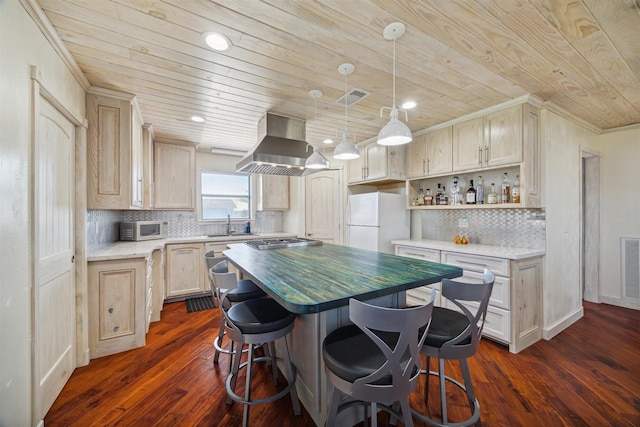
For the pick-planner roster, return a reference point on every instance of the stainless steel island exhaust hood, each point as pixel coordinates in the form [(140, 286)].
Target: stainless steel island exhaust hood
[(281, 150)]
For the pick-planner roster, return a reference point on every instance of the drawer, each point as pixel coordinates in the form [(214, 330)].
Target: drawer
[(498, 266), (501, 292), (418, 253), (422, 295), (498, 322)]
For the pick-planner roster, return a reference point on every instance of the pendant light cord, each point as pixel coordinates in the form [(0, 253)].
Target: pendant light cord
[(394, 72), (346, 135)]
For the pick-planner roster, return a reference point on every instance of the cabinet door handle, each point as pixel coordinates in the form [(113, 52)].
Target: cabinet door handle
[(425, 166), (486, 154), (480, 155), (116, 329)]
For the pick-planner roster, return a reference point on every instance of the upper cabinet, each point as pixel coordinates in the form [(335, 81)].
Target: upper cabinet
[(174, 176), (273, 192), (114, 151), (377, 164), (430, 154), (492, 140), (504, 140)]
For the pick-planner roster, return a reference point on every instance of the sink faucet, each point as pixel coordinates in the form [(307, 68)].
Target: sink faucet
[(228, 224)]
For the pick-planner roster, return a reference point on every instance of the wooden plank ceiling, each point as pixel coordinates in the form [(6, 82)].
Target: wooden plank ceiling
[(455, 58)]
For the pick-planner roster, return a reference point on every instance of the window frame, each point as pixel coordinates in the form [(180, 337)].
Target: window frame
[(252, 204)]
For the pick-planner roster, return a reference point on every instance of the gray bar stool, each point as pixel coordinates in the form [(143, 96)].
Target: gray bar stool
[(455, 335), (240, 290), (257, 322), (377, 360)]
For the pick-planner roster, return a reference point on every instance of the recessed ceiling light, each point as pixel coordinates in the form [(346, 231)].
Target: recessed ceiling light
[(328, 141), (216, 41), (408, 105), (197, 119)]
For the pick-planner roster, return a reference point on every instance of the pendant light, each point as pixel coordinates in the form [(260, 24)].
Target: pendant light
[(316, 160), (346, 150), (395, 132)]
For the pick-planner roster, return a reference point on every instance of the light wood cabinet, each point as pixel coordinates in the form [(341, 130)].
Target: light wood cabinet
[(174, 176), (273, 192), (158, 284), (514, 315), (506, 140), (430, 154), (423, 294), (185, 270), (492, 140), (114, 151), (147, 166), (468, 144), (117, 305), (377, 164)]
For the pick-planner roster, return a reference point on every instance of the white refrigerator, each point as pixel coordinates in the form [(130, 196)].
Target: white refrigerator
[(375, 219)]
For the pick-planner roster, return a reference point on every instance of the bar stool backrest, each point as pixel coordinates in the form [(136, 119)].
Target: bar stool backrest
[(409, 327), (459, 293)]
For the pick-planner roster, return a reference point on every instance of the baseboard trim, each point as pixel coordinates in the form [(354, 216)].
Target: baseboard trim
[(625, 303), (563, 324)]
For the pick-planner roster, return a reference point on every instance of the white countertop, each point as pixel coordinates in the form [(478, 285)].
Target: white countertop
[(474, 249), (122, 250)]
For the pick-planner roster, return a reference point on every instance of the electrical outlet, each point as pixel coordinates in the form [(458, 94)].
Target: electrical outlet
[(463, 223)]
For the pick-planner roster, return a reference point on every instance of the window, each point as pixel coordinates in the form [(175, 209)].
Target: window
[(223, 194)]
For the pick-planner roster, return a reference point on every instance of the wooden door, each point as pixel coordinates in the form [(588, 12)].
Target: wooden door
[(54, 344), (174, 176), (376, 156), (503, 138), (185, 269), (355, 167), (416, 158), (468, 142), (439, 151), (323, 206)]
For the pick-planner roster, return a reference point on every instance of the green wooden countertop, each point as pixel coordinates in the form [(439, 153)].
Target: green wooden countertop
[(310, 279)]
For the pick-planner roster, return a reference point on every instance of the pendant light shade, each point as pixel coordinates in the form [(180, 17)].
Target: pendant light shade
[(346, 150), (316, 160), (395, 132)]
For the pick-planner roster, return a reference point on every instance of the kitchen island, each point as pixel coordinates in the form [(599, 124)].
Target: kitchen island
[(316, 282)]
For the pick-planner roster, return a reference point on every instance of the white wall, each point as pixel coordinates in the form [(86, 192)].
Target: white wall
[(21, 45), (619, 206), (562, 141)]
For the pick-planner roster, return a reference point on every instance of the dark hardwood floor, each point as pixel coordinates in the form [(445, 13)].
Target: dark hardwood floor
[(589, 375)]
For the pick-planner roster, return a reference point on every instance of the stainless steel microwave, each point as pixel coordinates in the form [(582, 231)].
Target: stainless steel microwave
[(143, 230)]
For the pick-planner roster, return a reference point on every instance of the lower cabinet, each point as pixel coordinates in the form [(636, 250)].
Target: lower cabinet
[(157, 274), (117, 305), (185, 270), (421, 295), (514, 315)]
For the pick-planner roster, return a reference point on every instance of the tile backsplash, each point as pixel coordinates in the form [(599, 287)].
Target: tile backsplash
[(517, 228), (102, 225)]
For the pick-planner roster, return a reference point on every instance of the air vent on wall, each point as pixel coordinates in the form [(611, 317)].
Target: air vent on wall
[(353, 96), (630, 267)]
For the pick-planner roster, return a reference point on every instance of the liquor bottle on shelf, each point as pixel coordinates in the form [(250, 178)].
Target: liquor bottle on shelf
[(506, 190), (444, 199), (492, 199), (439, 195), (471, 194), (515, 190), (479, 191), (428, 198), (420, 200)]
